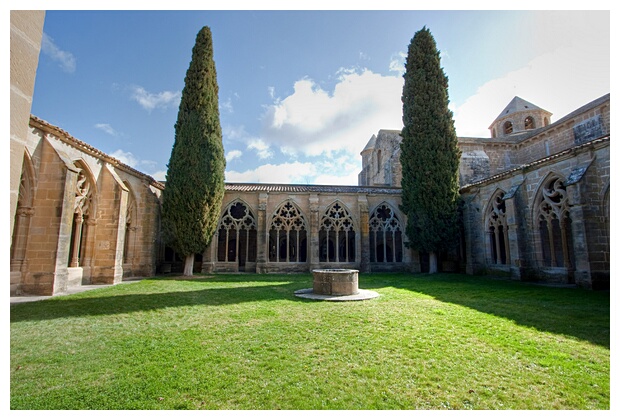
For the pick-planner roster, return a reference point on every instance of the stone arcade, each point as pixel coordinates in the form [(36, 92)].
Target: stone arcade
[(536, 203)]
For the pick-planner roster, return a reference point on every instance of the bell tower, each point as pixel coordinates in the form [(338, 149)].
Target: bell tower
[(519, 116)]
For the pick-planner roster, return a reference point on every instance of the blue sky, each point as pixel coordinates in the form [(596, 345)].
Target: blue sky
[(301, 92)]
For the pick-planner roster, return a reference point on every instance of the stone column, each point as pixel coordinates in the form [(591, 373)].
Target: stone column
[(475, 248), (314, 232), (262, 234), (20, 237), (120, 233), (362, 202), (513, 249), (88, 248), (581, 265), (78, 221), (208, 255)]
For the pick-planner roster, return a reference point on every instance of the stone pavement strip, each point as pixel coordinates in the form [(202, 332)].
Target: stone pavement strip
[(70, 291)]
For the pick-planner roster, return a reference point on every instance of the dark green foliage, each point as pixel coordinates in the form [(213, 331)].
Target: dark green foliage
[(429, 152), (194, 190)]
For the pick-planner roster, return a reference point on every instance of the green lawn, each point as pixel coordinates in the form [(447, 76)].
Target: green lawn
[(246, 342)]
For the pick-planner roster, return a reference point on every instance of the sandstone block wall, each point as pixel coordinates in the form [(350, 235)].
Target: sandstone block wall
[(26, 33), (263, 204), (52, 161)]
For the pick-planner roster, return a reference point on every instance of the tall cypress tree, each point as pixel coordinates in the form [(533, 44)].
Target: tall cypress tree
[(429, 152), (192, 199)]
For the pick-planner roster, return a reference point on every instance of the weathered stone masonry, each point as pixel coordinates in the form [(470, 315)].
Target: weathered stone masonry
[(536, 194), (304, 227), (72, 216), (536, 203)]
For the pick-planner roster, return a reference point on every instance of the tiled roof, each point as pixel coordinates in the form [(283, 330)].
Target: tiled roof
[(600, 140), (85, 147), (517, 104), (299, 188)]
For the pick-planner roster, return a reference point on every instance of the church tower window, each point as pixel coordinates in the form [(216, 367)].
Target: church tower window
[(529, 123)]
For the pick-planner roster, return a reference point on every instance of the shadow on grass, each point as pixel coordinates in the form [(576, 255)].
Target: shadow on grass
[(573, 312), (84, 305), (579, 313)]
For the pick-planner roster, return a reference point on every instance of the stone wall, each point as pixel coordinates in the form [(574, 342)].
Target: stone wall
[(312, 202), (58, 243), (26, 33), (381, 161), (584, 172), (483, 157)]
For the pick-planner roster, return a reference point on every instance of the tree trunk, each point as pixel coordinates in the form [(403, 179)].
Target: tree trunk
[(432, 263), (189, 265)]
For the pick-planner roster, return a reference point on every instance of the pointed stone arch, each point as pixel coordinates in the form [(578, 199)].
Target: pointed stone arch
[(288, 234), (496, 228), (131, 228), (385, 235), (84, 214), (337, 234), (237, 234), (21, 225), (552, 223)]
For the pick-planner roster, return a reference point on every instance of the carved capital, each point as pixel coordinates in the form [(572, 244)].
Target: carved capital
[(25, 211)]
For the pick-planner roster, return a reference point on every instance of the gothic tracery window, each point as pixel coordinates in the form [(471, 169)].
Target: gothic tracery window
[(236, 239), (81, 213), (336, 235), (497, 230), (385, 232), (288, 235), (555, 225)]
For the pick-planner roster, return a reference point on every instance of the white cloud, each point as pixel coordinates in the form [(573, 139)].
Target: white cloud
[(238, 133), (234, 133), (126, 157), (150, 101), (159, 175), (227, 106), (397, 63), (328, 169), (285, 173), (571, 68), (271, 91), (130, 159), (260, 147), (233, 154), (559, 81), (312, 121), (65, 59), (107, 128)]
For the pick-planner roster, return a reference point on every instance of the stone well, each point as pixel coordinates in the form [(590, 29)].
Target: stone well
[(335, 282)]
